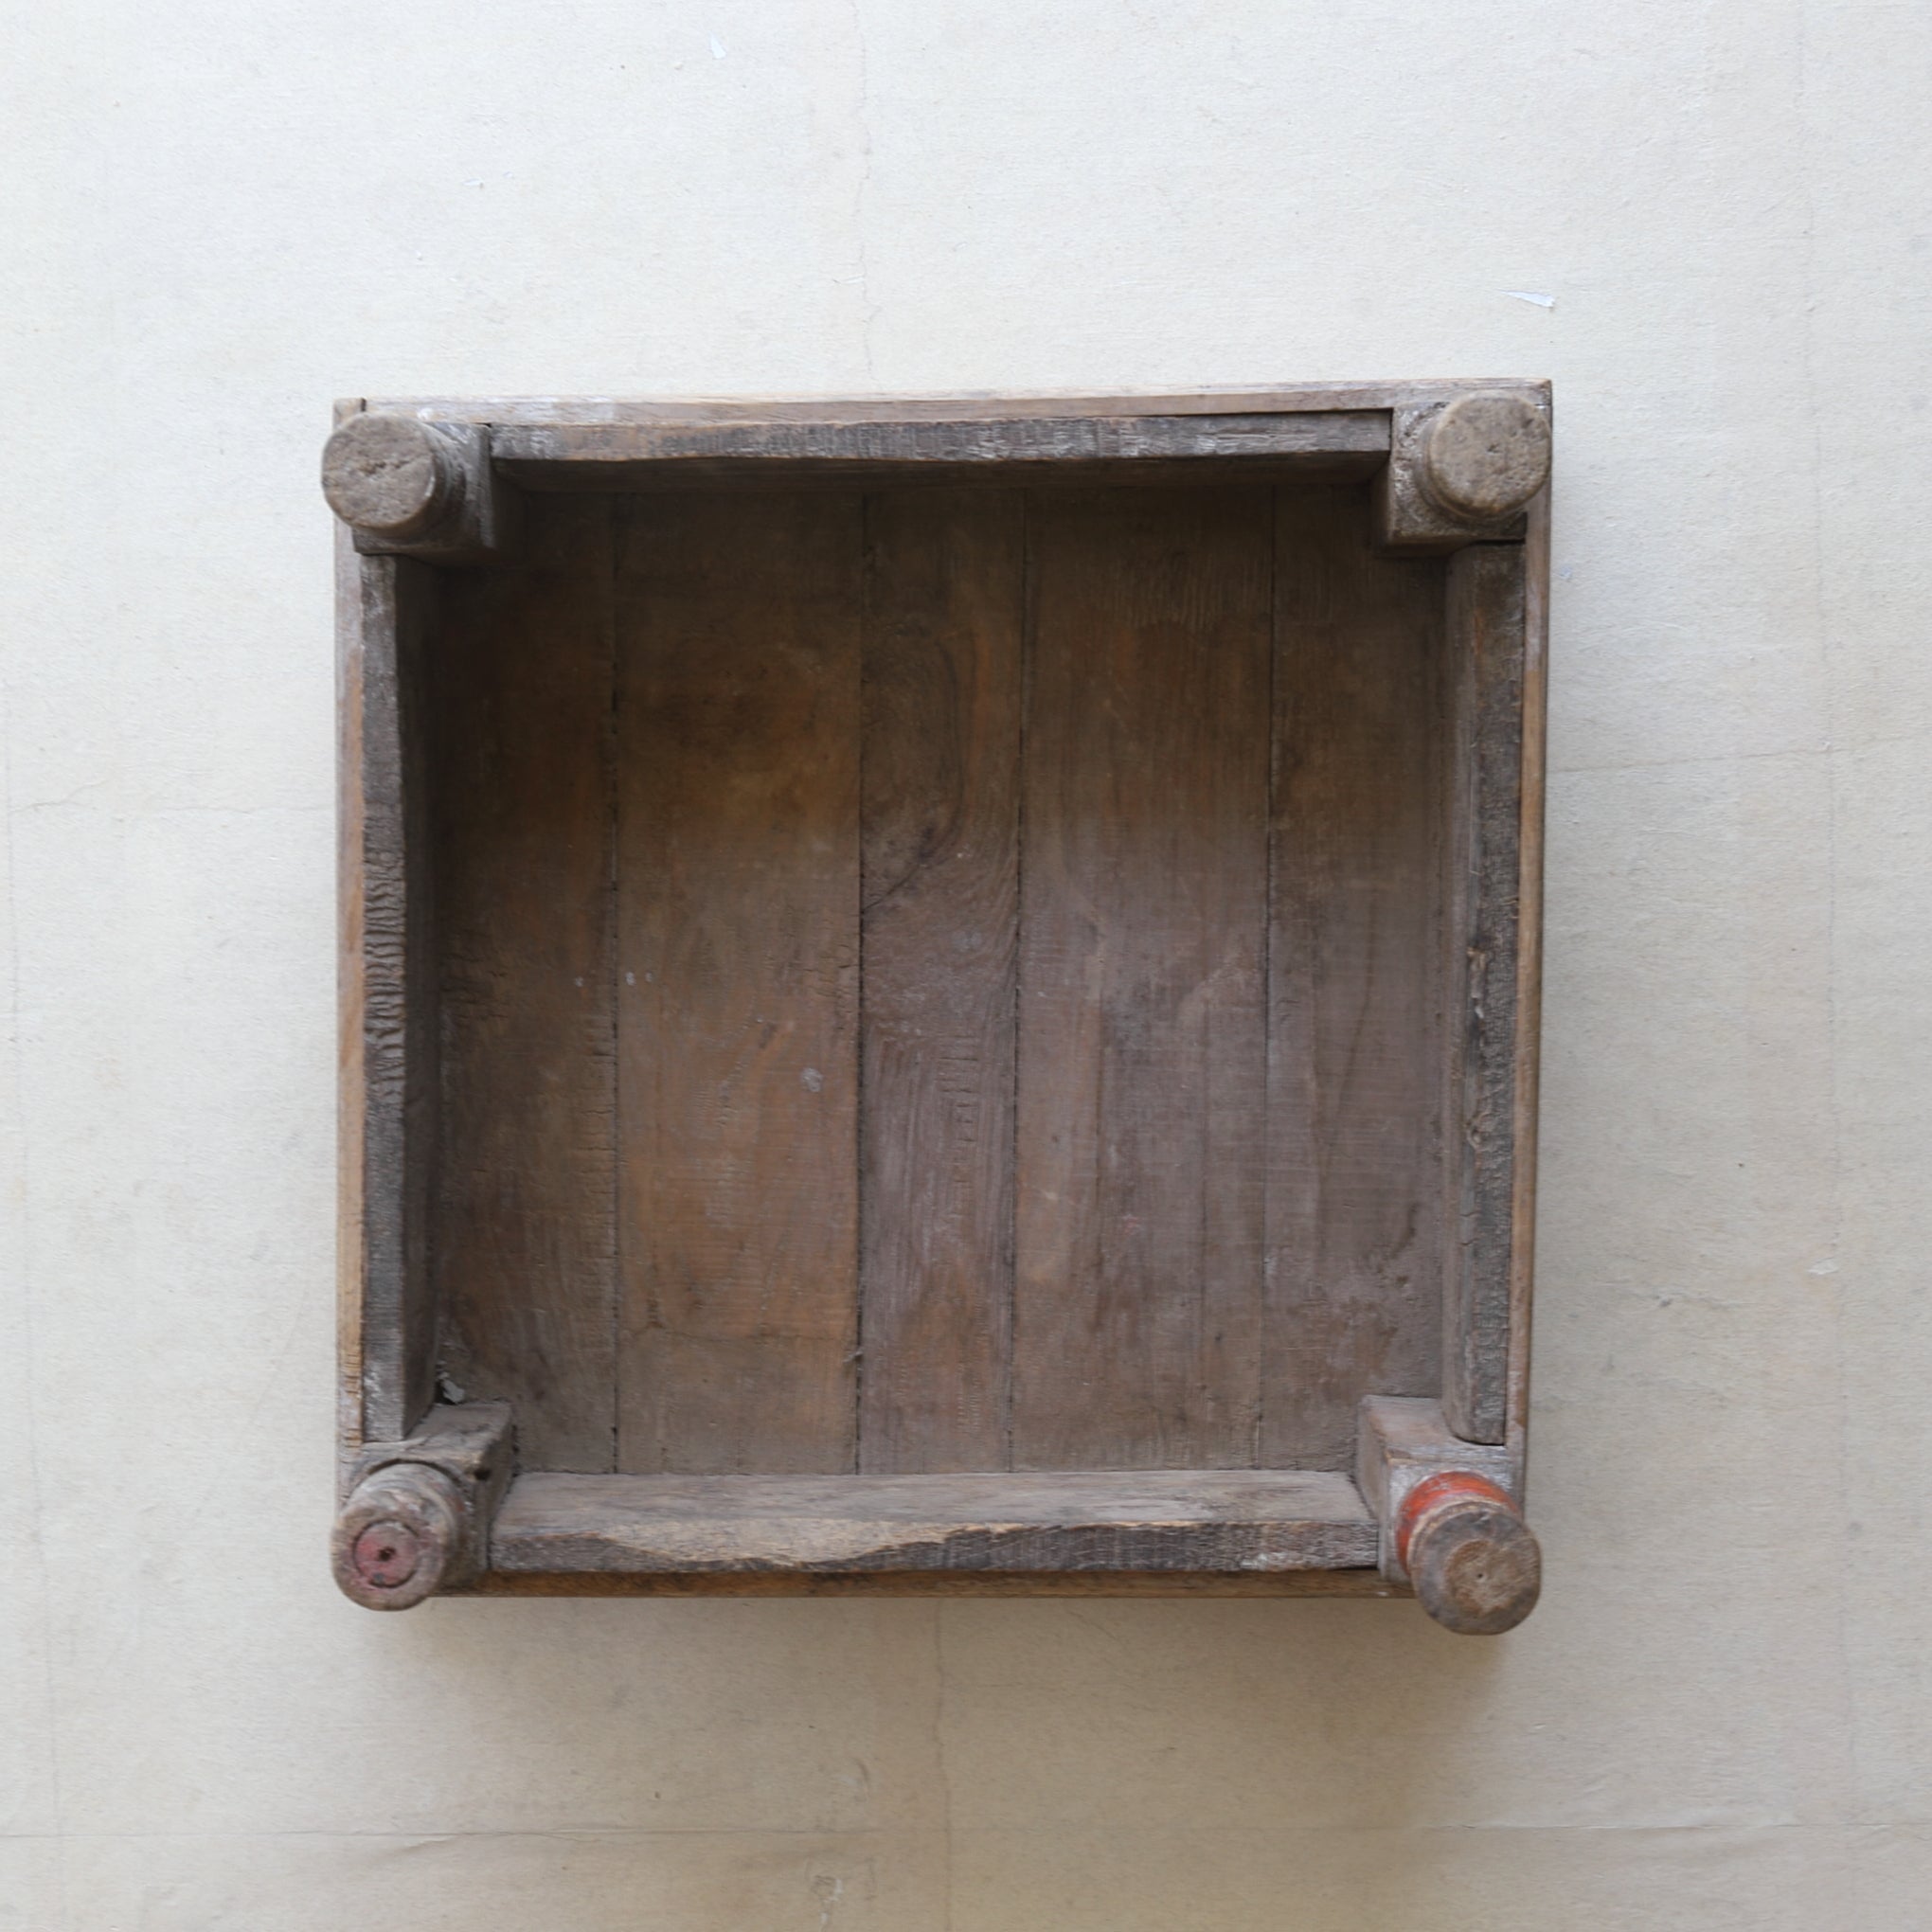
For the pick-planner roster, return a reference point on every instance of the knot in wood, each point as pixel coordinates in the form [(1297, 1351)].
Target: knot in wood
[(390, 476), (1484, 457)]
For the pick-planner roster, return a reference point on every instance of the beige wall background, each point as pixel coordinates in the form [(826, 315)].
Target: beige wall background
[(1711, 222)]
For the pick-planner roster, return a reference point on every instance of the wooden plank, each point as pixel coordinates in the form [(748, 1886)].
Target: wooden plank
[(644, 475), (739, 903), (1349, 1581), (1140, 1520), (1141, 1057), (1529, 963), (1355, 1243), (526, 1257), (1486, 642), (942, 668), (389, 994), (351, 1092), (975, 440), (514, 412)]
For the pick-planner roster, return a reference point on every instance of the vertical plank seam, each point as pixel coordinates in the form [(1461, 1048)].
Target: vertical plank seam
[(1013, 1230), (859, 1029), (1265, 1302), (614, 951)]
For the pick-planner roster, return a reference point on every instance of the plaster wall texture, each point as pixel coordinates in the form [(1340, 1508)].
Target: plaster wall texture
[(1710, 222)]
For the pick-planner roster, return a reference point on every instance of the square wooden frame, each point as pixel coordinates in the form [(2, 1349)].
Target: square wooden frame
[(432, 1499)]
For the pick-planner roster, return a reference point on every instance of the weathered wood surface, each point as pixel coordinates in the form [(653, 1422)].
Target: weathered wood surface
[(941, 759), (407, 487), (1018, 441), (1486, 625), (1140, 1521), (526, 1246), (1528, 1043), (1403, 1441), (1476, 1566), (1143, 1089), (417, 1513), (1307, 398), (947, 1584), (1355, 1245), (738, 708), (1204, 1084), (388, 1008)]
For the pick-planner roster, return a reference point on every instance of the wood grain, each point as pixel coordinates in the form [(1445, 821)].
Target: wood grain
[(526, 1254), (941, 871), (1354, 1240), (1141, 1086), (739, 672), (390, 989), (1140, 1520), (1351, 1582), (1486, 639)]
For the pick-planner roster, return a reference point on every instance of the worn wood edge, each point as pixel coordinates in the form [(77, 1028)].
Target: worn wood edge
[(865, 1524), (351, 1256), (1485, 633), (1401, 1442), (1208, 399), (1357, 1583), (1536, 563), (971, 441)]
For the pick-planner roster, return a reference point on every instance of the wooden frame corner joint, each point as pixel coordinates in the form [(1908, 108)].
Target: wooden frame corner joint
[(1451, 1517), (1463, 468), (417, 1517), (407, 488)]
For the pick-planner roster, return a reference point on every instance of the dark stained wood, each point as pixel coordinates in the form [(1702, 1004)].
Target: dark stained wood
[(389, 996), (526, 1254), (1486, 627), (1354, 1245), (1142, 1057), (943, 606), (739, 874), (1142, 1521)]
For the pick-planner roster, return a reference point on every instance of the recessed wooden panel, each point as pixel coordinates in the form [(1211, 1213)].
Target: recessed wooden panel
[(1143, 1081), (524, 1248), (1355, 1241), (738, 885), (943, 611)]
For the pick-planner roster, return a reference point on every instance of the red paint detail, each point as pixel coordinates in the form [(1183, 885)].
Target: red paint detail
[(386, 1555), (1433, 1493)]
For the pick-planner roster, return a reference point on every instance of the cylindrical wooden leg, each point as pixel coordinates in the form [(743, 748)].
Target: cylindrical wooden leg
[(391, 477), (398, 1535), (1475, 1565), (1484, 457)]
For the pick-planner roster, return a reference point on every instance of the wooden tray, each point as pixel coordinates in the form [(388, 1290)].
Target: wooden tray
[(941, 994)]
